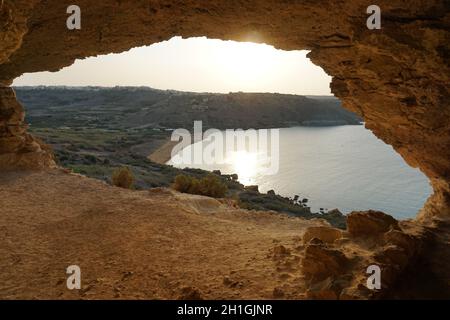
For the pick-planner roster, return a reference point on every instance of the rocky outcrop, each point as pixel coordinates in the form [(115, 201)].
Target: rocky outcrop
[(366, 224), (14, 17), (322, 262), (338, 269), (18, 149)]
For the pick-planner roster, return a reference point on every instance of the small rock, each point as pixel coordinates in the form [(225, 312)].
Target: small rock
[(326, 234), (280, 251), (227, 281), (278, 293), (190, 293), (126, 274)]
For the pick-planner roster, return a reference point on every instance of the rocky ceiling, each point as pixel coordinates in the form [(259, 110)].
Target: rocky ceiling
[(396, 78)]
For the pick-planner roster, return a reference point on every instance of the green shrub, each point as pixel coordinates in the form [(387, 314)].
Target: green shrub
[(210, 185), (123, 178), (182, 183)]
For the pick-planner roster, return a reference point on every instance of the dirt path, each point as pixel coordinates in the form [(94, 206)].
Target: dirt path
[(164, 152), (138, 244)]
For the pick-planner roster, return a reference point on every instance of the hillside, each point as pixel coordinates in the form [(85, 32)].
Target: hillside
[(137, 107), (94, 130)]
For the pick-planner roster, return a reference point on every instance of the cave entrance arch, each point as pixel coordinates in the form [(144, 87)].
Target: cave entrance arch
[(203, 65)]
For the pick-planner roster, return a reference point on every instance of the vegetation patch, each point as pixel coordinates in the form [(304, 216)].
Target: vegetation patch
[(210, 185), (123, 178)]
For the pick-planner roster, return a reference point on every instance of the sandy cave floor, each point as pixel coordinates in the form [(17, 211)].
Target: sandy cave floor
[(138, 244)]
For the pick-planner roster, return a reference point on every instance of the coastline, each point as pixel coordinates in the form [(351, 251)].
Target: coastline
[(163, 153)]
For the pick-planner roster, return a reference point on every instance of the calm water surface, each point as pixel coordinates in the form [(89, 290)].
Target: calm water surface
[(343, 167)]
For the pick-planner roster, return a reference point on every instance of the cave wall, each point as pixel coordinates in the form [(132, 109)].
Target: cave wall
[(396, 78)]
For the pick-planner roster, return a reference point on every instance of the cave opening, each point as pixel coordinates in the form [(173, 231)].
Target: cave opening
[(108, 111)]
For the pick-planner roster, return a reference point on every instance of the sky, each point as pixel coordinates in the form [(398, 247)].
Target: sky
[(195, 64)]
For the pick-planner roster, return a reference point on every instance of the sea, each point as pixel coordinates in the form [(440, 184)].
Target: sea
[(343, 167)]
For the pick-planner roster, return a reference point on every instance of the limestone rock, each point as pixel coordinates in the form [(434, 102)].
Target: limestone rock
[(357, 292), (323, 290), (280, 251), (369, 223), (392, 255), (278, 293), (19, 149), (321, 262), (190, 293), (402, 240), (326, 234)]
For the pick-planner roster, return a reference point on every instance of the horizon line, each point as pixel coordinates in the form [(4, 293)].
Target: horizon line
[(173, 90)]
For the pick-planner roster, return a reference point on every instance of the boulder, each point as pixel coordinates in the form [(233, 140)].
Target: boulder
[(326, 234), (321, 262), (280, 251), (190, 293), (370, 223)]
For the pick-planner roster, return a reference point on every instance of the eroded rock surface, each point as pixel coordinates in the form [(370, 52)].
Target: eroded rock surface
[(370, 223), (18, 149), (323, 233), (338, 269)]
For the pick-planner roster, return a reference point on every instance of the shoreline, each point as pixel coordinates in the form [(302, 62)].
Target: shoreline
[(163, 153)]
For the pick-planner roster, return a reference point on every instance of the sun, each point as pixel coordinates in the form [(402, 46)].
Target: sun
[(248, 62)]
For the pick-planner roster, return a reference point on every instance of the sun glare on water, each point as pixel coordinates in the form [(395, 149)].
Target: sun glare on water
[(245, 165)]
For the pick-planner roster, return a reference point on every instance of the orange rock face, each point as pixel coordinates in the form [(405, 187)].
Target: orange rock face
[(338, 269), (370, 223), (396, 78), (18, 149)]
